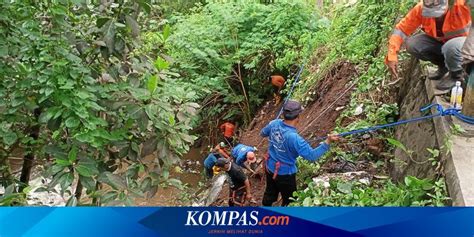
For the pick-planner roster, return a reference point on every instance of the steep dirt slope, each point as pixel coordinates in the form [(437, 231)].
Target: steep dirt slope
[(331, 87), (336, 85)]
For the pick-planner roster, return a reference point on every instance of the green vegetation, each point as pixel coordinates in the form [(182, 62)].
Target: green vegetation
[(79, 100), (227, 51), (102, 98), (346, 40), (413, 192), (90, 90)]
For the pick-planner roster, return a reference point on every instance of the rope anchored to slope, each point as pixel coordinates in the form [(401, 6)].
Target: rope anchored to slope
[(440, 113), (291, 90)]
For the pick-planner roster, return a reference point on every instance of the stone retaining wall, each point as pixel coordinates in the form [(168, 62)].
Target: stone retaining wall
[(457, 163)]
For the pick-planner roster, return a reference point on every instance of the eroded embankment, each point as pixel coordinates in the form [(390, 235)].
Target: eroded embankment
[(331, 94), (329, 91)]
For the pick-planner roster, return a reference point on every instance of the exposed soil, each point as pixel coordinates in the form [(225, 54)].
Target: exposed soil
[(330, 95), (364, 144), (328, 99), (327, 90)]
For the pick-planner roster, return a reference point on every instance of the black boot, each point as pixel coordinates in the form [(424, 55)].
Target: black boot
[(450, 82), (440, 73)]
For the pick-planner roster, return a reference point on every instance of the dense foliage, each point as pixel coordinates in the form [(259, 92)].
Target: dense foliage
[(413, 192), (103, 97), (90, 90), (78, 100), (228, 50), (358, 34)]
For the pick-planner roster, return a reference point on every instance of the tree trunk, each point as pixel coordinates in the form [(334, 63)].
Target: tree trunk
[(78, 192), (29, 158)]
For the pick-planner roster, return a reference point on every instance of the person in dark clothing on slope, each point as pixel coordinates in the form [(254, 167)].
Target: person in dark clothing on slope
[(240, 191)]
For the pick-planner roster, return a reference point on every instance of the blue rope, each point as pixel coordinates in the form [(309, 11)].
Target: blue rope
[(440, 113), (291, 90)]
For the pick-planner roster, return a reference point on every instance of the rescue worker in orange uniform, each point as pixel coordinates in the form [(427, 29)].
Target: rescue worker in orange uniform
[(445, 25), (277, 82), (228, 130)]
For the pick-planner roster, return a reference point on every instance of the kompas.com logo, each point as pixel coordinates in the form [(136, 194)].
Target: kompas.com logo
[(234, 218)]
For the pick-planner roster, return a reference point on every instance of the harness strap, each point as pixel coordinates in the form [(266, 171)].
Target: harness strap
[(277, 168), (278, 164)]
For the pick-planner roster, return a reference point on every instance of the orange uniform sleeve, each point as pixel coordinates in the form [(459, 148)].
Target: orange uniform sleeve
[(221, 151), (403, 29), (224, 153)]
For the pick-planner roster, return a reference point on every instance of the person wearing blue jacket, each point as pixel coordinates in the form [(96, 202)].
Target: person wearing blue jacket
[(209, 163), (285, 145), (244, 156)]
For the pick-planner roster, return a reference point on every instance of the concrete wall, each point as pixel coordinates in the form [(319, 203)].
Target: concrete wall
[(417, 137), (457, 163)]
